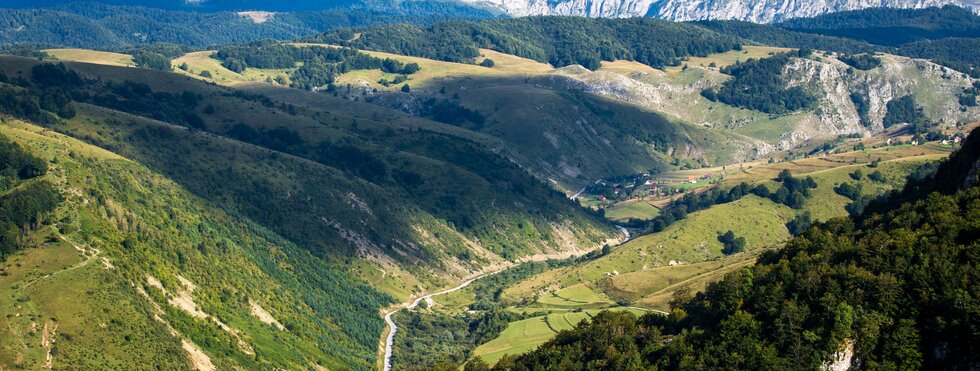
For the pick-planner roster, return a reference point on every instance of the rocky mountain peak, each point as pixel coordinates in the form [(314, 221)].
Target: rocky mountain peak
[(761, 11)]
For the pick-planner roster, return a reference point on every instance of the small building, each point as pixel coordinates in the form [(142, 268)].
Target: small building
[(602, 198)]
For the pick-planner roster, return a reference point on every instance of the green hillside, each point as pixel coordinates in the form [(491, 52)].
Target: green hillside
[(339, 215), (653, 270), (501, 190), (886, 289), (546, 138), (364, 163), (692, 240), (135, 266)]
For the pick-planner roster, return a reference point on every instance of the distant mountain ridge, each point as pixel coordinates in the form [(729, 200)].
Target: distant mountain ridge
[(890, 26), (759, 11)]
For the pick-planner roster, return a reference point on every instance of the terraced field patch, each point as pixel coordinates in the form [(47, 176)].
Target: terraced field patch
[(519, 337), (565, 321), (526, 335), (582, 294)]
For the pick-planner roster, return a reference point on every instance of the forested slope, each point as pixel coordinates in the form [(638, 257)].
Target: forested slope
[(560, 41), (92, 25), (381, 209), (135, 266), (892, 27)]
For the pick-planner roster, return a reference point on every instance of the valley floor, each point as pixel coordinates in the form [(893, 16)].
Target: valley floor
[(646, 273)]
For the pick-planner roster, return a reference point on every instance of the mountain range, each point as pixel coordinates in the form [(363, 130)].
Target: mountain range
[(760, 11)]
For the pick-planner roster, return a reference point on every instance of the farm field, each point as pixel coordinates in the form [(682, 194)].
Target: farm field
[(634, 210), (198, 62), (572, 297), (754, 171), (519, 337), (688, 249), (526, 335), (432, 71), (565, 321)]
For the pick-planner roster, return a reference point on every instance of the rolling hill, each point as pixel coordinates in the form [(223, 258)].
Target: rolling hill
[(270, 204), (632, 117), (383, 209)]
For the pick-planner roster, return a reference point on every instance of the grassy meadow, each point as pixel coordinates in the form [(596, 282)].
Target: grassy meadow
[(92, 56), (633, 210)]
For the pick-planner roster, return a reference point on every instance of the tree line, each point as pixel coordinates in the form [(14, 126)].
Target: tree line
[(318, 66), (24, 204), (792, 192), (560, 41)]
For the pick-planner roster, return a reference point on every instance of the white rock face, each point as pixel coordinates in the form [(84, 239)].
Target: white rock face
[(830, 80), (762, 11), (588, 8)]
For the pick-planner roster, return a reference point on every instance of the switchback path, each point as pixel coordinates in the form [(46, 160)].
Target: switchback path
[(390, 340)]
